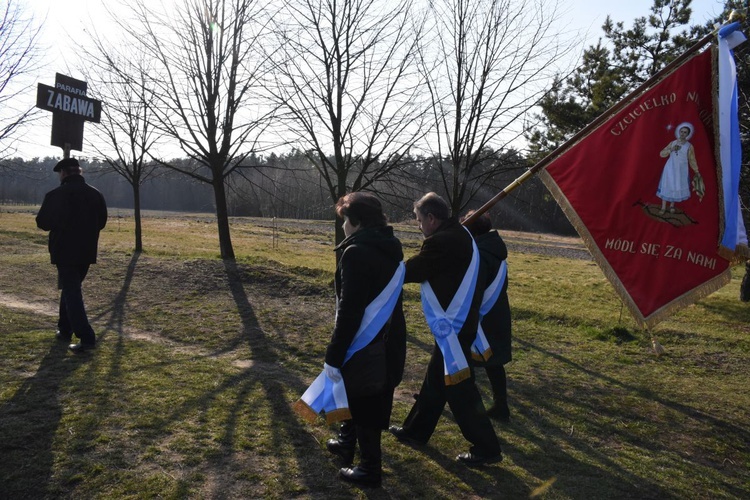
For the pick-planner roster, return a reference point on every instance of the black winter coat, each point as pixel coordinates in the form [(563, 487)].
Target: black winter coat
[(368, 260), (443, 260), (73, 213), (496, 323)]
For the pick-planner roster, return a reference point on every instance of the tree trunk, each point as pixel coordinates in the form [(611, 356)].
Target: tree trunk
[(341, 188), (137, 217), (222, 218)]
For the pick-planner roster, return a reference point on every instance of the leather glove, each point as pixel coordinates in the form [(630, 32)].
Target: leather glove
[(332, 372)]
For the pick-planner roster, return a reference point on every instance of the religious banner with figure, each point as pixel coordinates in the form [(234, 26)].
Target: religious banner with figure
[(644, 190)]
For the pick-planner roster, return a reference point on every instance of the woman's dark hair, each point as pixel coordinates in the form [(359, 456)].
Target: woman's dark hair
[(363, 209), (432, 203), (479, 226)]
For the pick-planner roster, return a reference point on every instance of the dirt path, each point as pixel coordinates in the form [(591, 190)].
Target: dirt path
[(13, 302), (46, 309)]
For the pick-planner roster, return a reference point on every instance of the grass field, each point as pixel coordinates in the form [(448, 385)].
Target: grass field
[(189, 393)]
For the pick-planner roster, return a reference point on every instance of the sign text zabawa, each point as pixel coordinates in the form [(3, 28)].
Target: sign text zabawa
[(68, 100)]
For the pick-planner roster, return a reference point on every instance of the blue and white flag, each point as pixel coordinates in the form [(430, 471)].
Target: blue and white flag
[(730, 149), (480, 349), (329, 397), (445, 324)]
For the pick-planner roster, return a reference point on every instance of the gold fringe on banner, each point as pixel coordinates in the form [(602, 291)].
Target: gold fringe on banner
[(660, 314)]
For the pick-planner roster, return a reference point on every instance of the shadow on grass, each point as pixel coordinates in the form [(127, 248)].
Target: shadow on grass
[(116, 318), (289, 428), (536, 412), (29, 422), (647, 394), (32, 417), (492, 481)]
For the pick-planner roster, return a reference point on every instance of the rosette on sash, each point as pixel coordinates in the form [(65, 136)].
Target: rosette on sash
[(480, 349), (327, 396), (445, 324)]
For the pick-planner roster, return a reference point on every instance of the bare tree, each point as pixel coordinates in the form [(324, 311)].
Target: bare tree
[(205, 64), (126, 131), (345, 76), (19, 56), (487, 64)]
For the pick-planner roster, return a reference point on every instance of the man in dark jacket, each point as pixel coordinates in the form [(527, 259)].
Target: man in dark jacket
[(443, 262), (74, 214), (495, 315)]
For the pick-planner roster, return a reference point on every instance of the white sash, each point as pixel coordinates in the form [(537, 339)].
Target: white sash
[(480, 349), (445, 324), (324, 395)]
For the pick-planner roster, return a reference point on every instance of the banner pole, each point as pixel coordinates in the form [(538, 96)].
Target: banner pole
[(595, 123)]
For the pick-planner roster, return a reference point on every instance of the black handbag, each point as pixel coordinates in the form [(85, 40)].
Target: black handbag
[(365, 372)]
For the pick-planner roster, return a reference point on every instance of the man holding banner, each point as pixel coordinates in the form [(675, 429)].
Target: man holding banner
[(492, 347), (447, 266)]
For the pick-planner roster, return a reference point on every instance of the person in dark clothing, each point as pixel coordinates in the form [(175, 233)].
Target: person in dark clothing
[(369, 267), (74, 213), (745, 284), (495, 322), (446, 258)]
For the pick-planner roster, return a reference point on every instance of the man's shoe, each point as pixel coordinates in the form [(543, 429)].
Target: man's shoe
[(81, 348), (63, 337), (361, 477), (346, 452), (473, 459), (403, 436)]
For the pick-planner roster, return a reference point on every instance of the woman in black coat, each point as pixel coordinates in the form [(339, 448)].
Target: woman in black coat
[(369, 257), (496, 323)]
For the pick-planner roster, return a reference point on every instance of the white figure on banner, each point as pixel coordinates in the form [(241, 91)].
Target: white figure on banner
[(675, 185)]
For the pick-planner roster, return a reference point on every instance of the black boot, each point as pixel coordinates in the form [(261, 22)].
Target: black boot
[(361, 477), (344, 444), (369, 472)]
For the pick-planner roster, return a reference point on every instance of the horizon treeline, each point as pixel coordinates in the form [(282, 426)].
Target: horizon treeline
[(289, 186)]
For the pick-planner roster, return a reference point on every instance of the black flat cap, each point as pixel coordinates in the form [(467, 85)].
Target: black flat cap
[(66, 163)]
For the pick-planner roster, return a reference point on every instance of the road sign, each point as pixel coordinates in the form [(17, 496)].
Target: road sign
[(70, 109)]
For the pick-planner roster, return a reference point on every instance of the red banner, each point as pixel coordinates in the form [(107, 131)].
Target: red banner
[(642, 190)]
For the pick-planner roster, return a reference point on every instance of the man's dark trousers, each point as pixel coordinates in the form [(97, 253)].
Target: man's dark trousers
[(465, 403), (73, 317)]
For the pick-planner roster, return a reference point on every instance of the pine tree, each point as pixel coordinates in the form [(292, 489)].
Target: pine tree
[(609, 70)]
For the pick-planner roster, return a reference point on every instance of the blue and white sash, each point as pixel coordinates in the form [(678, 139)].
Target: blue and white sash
[(480, 349), (445, 325), (324, 395)]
